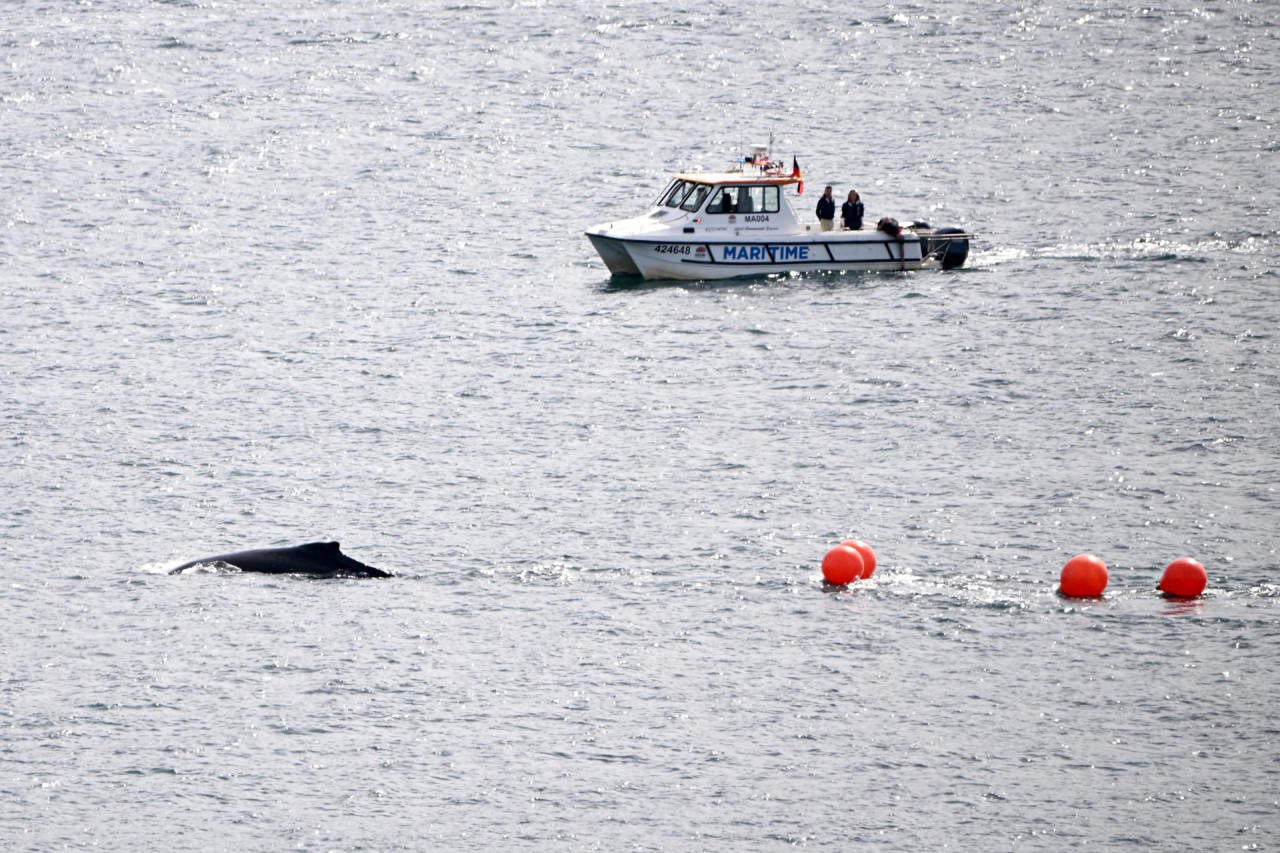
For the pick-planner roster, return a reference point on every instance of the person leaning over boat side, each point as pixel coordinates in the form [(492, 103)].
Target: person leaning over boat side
[(826, 211), (851, 212)]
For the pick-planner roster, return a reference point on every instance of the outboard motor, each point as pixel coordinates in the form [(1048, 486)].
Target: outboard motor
[(949, 245)]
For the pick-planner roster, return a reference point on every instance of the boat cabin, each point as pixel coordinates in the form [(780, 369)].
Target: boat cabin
[(728, 202)]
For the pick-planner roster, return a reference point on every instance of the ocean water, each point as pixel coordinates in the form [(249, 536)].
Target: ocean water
[(314, 270)]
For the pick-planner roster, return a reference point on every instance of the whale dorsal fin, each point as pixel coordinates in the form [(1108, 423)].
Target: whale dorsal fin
[(326, 547)]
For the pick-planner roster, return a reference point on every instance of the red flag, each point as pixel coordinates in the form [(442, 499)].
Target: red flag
[(795, 173)]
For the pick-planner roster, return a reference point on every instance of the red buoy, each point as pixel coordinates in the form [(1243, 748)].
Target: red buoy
[(1084, 576), (1184, 578), (842, 565), (868, 556)]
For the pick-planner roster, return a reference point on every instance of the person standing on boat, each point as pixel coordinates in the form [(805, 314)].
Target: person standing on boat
[(826, 211), (851, 212)]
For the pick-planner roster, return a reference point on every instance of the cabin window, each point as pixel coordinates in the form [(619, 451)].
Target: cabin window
[(722, 200), (757, 199), (744, 200), (689, 196)]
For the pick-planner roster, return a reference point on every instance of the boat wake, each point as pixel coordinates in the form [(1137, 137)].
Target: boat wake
[(1145, 248)]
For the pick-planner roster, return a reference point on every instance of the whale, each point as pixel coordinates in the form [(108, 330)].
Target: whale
[(318, 559)]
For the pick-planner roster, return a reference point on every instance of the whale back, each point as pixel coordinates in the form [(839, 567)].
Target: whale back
[(319, 559), (330, 554)]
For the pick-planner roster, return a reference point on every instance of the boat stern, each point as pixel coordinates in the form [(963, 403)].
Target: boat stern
[(948, 247)]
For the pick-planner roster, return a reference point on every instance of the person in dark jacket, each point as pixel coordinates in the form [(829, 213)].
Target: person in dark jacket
[(851, 212), (826, 211)]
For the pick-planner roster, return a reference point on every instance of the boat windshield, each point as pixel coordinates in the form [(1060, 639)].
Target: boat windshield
[(674, 194), (685, 195), (667, 192), (694, 199)]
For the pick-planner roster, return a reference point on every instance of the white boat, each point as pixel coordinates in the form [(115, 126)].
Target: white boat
[(740, 223)]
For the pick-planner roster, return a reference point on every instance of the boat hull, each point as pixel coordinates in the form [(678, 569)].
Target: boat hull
[(615, 255), (697, 260)]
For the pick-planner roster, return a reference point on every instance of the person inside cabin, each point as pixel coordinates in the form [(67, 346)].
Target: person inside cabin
[(851, 212), (724, 206), (826, 211)]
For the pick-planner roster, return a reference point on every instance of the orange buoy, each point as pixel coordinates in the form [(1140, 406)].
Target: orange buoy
[(868, 556), (1184, 578), (842, 565), (1084, 576)]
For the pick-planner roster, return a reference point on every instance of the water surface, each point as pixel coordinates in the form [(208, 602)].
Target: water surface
[(316, 271)]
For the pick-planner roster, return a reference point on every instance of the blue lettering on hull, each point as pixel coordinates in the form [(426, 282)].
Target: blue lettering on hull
[(746, 253), (756, 253), (791, 253)]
